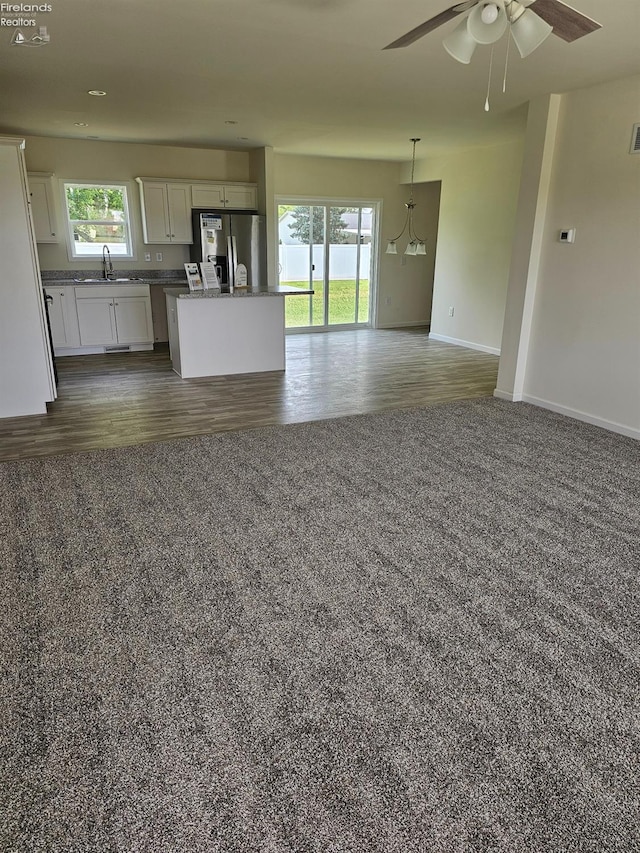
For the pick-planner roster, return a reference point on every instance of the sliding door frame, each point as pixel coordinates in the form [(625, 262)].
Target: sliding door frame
[(327, 202)]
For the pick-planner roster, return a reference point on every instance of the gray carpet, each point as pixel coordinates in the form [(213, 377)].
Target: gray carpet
[(412, 631)]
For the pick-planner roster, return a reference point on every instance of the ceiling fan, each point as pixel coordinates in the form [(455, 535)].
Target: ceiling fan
[(530, 22)]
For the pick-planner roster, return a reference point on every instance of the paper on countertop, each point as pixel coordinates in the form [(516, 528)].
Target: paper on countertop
[(241, 275), (209, 276), (193, 276)]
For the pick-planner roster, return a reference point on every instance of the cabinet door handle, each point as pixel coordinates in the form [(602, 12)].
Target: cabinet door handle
[(168, 235), (173, 235)]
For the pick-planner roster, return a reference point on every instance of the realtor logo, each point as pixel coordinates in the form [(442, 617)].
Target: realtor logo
[(41, 37)]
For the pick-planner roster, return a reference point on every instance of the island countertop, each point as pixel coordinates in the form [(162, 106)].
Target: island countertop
[(282, 290)]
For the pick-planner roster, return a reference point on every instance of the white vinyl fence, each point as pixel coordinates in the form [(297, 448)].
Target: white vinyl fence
[(294, 262)]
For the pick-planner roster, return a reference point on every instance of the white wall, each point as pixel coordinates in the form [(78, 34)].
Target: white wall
[(120, 161), (405, 284), (584, 352), (477, 214), (26, 378)]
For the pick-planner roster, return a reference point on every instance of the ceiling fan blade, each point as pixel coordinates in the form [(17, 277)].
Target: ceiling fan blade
[(567, 23), (428, 26)]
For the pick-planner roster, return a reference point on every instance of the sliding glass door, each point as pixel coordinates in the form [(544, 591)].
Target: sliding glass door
[(327, 247)]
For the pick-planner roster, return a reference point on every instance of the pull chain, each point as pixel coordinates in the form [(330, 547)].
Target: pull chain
[(486, 103), (506, 61)]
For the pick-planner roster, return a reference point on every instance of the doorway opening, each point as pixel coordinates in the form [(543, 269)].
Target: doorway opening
[(328, 247)]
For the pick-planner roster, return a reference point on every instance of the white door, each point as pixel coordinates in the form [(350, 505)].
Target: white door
[(179, 199), (97, 321), (211, 195), (155, 210), (56, 316), (240, 198), (133, 319)]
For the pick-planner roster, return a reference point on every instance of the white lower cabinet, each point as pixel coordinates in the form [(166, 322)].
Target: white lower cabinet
[(97, 321), (134, 324), (118, 315), (63, 317)]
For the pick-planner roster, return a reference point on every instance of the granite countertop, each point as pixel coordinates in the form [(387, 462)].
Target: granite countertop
[(172, 278), (185, 293), (173, 282)]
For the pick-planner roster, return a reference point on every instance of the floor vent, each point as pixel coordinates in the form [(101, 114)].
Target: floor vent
[(635, 139), (118, 349)]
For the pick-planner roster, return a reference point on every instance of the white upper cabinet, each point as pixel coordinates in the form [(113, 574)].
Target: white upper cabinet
[(233, 196), (240, 198), (43, 207), (166, 205), (166, 211), (207, 195), (179, 198)]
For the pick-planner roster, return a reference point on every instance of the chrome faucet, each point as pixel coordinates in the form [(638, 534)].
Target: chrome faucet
[(107, 265)]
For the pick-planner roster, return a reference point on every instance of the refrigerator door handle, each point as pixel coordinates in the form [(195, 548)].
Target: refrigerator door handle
[(233, 261)]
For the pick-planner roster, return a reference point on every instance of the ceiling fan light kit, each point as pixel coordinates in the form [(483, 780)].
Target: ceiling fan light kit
[(529, 31), (529, 22), (487, 33), (459, 44)]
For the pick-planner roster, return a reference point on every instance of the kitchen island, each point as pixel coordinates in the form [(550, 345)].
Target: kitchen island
[(217, 334)]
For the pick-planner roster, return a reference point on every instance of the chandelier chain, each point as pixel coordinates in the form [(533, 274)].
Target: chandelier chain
[(414, 239)]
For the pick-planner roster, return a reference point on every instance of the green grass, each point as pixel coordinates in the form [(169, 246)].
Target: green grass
[(342, 304)]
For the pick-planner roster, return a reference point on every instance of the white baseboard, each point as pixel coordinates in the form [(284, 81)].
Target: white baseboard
[(503, 395), (61, 352), (460, 343), (411, 324), (612, 426)]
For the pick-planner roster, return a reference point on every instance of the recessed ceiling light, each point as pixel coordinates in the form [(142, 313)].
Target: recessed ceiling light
[(231, 122), (97, 92), (242, 138), (81, 124)]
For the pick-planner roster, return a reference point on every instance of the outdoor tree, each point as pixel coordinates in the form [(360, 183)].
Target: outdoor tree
[(304, 225), (94, 204)]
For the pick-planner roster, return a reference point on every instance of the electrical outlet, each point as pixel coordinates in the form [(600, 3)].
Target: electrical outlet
[(158, 256), (451, 310), (147, 256)]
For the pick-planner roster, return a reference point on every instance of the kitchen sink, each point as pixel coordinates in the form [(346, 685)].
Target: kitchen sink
[(106, 280)]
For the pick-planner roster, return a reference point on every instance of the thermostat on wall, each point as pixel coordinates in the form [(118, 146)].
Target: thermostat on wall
[(568, 236)]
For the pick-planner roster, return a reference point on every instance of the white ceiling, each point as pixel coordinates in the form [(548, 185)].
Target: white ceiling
[(302, 76)]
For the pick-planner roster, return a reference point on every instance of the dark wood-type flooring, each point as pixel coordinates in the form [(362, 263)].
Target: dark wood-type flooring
[(124, 399)]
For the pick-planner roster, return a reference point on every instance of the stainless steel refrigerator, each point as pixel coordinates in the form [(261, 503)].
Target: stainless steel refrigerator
[(228, 239)]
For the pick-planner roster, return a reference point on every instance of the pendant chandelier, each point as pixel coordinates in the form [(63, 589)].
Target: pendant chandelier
[(415, 246)]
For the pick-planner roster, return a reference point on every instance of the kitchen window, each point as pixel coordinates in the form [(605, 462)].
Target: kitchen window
[(97, 216)]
